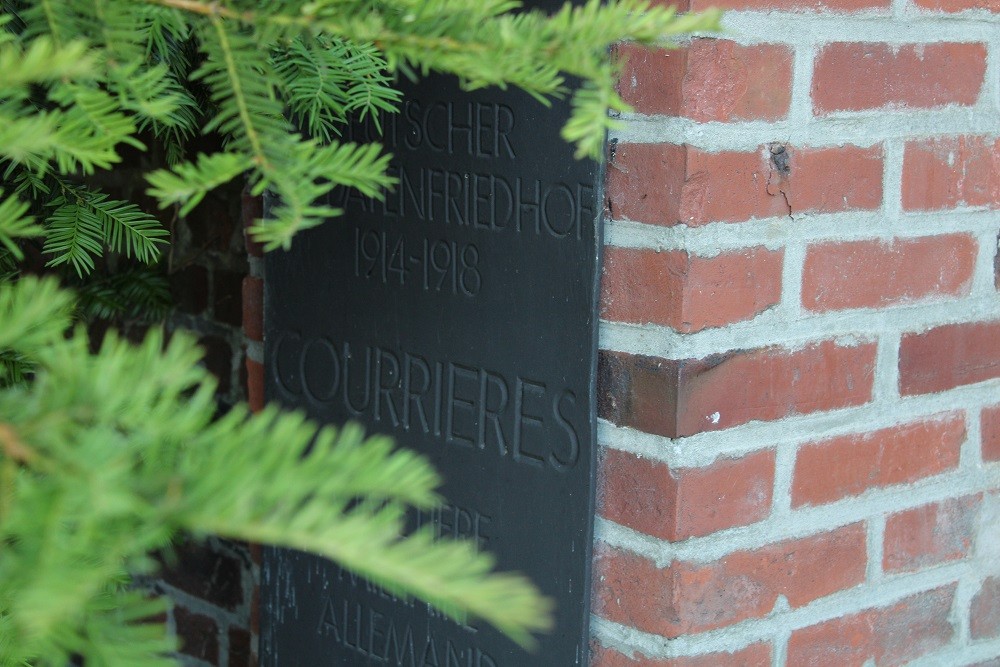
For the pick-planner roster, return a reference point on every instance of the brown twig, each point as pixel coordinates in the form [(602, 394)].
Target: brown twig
[(13, 447)]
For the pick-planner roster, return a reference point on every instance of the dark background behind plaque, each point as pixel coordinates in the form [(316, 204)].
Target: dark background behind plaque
[(460, 317)]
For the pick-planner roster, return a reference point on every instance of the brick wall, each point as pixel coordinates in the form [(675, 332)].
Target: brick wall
[(799, 379), (212, 582)]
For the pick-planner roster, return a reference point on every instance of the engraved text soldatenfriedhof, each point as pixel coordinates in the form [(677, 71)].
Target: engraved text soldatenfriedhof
[(457, 315)]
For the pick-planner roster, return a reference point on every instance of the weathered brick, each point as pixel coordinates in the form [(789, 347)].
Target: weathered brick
[(889, 636), (709, 80), (680, 398), (253, 308), (240, 654), (668, 184), (686, 598), (871, 274), (991, 433), (784, 5), (255, 385), (985, 610), (949, 356), (251, 210), (676, 504), (755, 655), (227, 297), (850, 465), (958, 5), (947, 172), (198, 569), (930, 534), (218, 360), (199, 635), (189, 289), (910, 75), (688, 292)]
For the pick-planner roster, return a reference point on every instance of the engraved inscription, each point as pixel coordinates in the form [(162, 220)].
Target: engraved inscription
[(434, 265), (454, 522), (455, 312), (382, 639), (459, 405), (479, 129), (486, 202)]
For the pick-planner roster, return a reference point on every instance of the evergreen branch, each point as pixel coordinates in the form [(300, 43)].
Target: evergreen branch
[(317, 515), (83, 222), (127, 228), (42, 61), (15, 224), (34, 312), (135, 293), (451, 36), (74, 234), (236, 82), (188, 183)]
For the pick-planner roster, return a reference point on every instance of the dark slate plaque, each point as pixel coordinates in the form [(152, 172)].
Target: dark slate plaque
[(458, 316)]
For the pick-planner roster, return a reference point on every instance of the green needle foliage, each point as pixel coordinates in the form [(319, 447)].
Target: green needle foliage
[(111, 450)]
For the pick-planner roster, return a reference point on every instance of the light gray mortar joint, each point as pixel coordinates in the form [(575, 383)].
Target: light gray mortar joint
[(971, 453), (892, 183), (784, 471), (793, 265), (705, 448), (876, 539), (801, 111), (255, 350), (872, 26), (802, 522), (857, 128), (984, 274), (738, 636), (256, 265), (886, 389)]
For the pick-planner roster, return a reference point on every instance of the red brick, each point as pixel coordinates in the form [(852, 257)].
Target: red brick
[(985, 610), (686, 598), (889, 636), (667, 184), (852, 464), (189, 289), (680, 398), (253, 308), (199, 635), (755, 655), (240, 654), (947, 172), (931, 534), (958, 5), (218, 360), (909, 76), (676, 504), (227, 305), (991, 433), (688, 292), (251, 210), (871, 274), (949, 356), (255, 385), (792, 5), (709, 80), (201, 570)]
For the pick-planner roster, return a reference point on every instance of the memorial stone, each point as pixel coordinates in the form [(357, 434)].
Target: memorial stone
[(458, 315)]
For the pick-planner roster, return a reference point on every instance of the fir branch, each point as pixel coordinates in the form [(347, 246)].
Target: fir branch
[(15, 224), (188, 183)]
